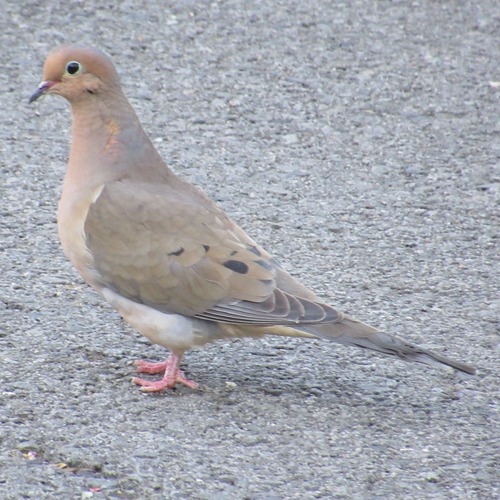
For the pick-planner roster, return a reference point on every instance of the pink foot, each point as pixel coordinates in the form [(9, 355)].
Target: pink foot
[(147, 367), (172, 376)]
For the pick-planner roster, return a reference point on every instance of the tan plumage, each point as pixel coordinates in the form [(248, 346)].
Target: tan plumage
[(162, 253)]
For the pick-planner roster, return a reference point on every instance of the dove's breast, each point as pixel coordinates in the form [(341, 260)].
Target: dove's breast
[(71, 215)]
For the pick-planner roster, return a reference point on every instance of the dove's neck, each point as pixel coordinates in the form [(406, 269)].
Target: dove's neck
[(109, 144)]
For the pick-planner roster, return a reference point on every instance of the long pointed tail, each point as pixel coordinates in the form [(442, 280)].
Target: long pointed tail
[(394, 346), (349, 331)]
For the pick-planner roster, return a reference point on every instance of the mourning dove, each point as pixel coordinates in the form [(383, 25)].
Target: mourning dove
[(161, 252)]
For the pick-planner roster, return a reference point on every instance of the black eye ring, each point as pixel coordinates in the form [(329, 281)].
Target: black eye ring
[(73, 68)]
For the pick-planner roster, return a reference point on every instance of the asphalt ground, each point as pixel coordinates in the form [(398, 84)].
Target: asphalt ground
[(359, 143)]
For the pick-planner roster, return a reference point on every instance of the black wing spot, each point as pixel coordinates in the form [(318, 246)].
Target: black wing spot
[(206, 247), (267, 282), (237, 266), (177, 252), (264, 264), (255, 250)]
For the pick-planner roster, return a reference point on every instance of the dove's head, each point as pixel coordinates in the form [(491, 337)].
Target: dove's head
[(77, 73)]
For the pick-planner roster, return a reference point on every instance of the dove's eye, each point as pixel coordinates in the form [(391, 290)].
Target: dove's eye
[(73, 68)]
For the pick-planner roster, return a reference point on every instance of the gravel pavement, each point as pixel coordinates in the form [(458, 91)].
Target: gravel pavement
[(358, 142)]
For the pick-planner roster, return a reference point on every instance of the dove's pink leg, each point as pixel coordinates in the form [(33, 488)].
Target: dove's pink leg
[(171, 377)]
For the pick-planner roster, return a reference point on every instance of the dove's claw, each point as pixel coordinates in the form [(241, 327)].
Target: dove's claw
[(172, 375), (147, 367), (165, 383)]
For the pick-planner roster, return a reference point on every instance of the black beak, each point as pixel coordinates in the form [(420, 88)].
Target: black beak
[(42, 89)]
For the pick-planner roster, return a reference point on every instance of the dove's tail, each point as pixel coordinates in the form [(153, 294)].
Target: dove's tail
[(352, 332)]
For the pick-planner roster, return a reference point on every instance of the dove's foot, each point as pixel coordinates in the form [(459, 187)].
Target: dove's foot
[(164, 383), (172, 375), (147, 367)]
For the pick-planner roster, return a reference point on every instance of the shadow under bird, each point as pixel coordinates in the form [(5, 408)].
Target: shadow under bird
[(164, 255)]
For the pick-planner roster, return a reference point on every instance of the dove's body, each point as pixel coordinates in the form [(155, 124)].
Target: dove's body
[(163, 254)]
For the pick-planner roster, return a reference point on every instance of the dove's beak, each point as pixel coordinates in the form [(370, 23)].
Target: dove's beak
[(43, 88)]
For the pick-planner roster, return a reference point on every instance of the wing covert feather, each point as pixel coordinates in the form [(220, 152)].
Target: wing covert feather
[(179, 253)]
